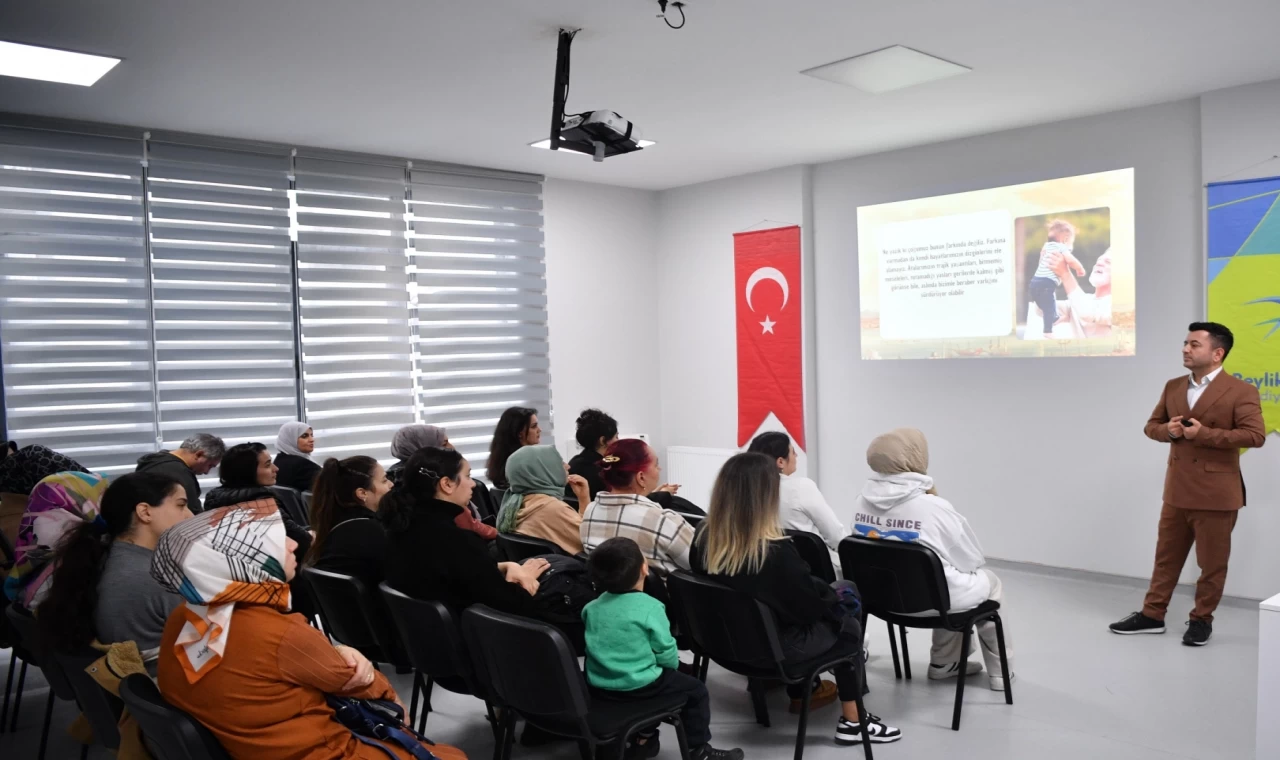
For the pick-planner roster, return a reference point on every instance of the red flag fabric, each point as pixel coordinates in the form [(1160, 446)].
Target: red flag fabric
[(766, 268)]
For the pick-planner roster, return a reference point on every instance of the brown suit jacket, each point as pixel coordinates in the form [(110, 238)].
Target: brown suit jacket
[(1205, 473)]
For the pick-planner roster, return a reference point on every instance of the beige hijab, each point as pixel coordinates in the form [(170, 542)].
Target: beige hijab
[(901, 450)]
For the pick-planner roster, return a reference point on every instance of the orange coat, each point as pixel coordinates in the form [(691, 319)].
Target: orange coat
[(266, 699), (1205, 473)]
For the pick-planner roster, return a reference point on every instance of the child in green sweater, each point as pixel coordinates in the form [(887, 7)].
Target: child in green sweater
[(630, 651)]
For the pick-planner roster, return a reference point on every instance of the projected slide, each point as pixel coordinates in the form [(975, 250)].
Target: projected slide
[(1041, 269)]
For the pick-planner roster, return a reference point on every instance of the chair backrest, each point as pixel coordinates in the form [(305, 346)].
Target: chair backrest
[(482, 498), (814, 551), (355, 617), (33, 650), (894, 576), (527, 665), (518, 548), (100, 708), (728, 626), (167, 732), (431, 635), (291, 500)]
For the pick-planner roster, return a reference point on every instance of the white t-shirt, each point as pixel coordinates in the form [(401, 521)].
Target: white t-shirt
[(801, 507)]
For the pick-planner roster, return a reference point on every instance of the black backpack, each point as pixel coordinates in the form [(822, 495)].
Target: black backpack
[(563, 589)]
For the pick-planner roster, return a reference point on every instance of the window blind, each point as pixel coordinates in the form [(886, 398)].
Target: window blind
[(478, 294), (74, 303), (222, 282), (354, 300)]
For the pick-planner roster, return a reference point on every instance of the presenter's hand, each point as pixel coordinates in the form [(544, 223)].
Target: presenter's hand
[(1175, 427), (1192, 430)]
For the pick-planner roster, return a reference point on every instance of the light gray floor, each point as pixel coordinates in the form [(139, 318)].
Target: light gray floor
[(1081, 692)]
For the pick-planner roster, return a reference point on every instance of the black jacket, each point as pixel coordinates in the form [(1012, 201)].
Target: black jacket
[(432, 558), (298, 473), (165, 463), (784, 584), (225, 496), (356, 545), (587, 464)]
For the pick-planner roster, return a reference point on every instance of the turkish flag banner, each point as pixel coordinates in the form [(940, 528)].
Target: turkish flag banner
[(766, 275)]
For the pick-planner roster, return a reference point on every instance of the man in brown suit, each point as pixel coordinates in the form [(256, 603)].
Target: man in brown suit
[(1206, 418)]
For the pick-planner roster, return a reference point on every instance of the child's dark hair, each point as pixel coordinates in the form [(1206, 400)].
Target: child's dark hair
[(615, 565)]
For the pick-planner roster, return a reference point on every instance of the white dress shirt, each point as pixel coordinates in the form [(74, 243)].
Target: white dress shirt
[(1196, 390), (801, 507)]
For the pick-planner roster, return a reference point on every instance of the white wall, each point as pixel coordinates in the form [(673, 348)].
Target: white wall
[(602, 302)]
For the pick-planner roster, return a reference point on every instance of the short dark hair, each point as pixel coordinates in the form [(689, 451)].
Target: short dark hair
[(239, 468), (1219, 335), (773, 444), (593, 425), (615, 565)]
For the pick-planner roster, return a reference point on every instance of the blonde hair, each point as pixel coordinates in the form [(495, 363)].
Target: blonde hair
[(1062, 231), (743, 516)]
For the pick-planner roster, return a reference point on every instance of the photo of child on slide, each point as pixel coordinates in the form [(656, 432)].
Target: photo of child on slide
[(1064, 275)]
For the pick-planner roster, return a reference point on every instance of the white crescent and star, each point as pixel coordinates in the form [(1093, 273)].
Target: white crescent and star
[(760, 275)]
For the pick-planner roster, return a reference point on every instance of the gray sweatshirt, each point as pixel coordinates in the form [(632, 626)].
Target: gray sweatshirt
[(132, 606)]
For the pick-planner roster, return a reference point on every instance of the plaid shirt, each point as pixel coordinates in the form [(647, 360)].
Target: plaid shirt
[(664, 536)]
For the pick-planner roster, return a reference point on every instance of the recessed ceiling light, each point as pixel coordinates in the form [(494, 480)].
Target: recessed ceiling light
[(49, 65), (891, 68), (546, 145)]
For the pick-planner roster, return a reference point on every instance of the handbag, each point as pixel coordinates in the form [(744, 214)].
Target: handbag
[(379, 722)]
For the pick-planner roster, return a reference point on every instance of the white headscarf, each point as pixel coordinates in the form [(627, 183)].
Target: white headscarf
[(287, 441)]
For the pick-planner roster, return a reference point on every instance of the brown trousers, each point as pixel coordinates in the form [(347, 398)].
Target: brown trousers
[(1210, 530)]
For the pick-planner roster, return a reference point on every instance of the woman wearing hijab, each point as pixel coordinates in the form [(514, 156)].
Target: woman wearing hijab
[(294, 445), (235, 659), (533, 507), (408, 439), (901, 490), (58, 504)]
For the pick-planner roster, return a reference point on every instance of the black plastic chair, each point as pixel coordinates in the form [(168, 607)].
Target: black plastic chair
[(433, 643), (518, 548), (531, 670), (167, 732), (31, 650), (741, 635), (101, 708), (897, 579), (814, 551), (291, 500), (355, 617)]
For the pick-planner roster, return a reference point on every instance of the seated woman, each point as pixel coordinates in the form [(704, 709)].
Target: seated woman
[(294, 445), (630, 469), (349, 538), (596, 430), (58, 503), (430, 557), (900, 489), (741, 546), (246, 473), (517, 427), (533, 506), (408, 440), (801, 505), (235, 659), (102, 586)]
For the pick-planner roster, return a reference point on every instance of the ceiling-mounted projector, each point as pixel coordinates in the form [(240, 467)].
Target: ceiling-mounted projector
[(597, 133)]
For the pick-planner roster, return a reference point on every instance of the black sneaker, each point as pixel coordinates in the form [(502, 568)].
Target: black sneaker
[(848, 732), (1137, 623), (707, 752), (1198, 633), (644, 751)]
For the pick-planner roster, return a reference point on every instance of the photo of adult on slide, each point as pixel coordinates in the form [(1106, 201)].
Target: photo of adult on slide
[(1064, 275)]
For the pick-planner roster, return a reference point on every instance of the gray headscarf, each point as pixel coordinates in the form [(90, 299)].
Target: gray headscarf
[(287, 440), (410, 438), (901, 450)]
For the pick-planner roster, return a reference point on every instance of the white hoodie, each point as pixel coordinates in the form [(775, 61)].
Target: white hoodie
[(896, 507)]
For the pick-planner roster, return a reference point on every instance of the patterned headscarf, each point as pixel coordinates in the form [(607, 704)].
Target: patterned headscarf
[(216, 560), (530, 470), (57, 504), (287, 440), (408, 439)]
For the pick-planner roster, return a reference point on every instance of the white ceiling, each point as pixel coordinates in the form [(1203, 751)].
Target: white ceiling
[(470, 81)]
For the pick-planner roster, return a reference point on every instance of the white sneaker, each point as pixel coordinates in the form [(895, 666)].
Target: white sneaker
[(942, 672), (997, 682), (848, 732)]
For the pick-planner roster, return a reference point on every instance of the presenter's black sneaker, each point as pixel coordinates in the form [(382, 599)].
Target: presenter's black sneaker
[(1198, 633), (1138, 623), (848, 732)]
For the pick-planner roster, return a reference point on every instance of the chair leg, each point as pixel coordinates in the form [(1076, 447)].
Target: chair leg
[(426, 704), (1004, 661), (758, 701), (509, 737), (893, 647), (44, 731), (493, 720), (17, 696), (8, 690), (84, 752), (961, 677), (906, 656), (585, 751), (804, 717), (706, 665), (682, 739), (412, 717)]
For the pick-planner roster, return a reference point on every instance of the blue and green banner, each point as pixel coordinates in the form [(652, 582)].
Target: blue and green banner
[(1244, 281)]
